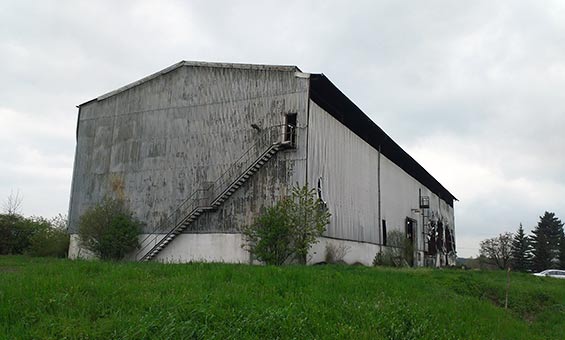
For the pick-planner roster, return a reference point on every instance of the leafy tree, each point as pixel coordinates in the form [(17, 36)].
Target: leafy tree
[(269, 238), (50, 238), (545, 242), (33, 235), (521, 251), (288, 229), (15, 232), (497, 250), (308, 217), (109, 230)]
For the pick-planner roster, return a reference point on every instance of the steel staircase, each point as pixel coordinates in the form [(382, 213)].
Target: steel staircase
[(270, 141)]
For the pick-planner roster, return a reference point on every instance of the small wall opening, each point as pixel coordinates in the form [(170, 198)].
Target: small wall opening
[(290, 122), (410, 240)]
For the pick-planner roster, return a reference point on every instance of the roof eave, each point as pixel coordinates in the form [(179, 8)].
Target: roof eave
[(283, 68), (335, 102)]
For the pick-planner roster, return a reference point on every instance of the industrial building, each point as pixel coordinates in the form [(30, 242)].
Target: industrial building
[(198, 149)]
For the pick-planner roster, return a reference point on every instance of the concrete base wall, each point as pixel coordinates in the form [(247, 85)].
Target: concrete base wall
[(76, 252), (355, 252), (205, 248), (218, 247), (213, 247)]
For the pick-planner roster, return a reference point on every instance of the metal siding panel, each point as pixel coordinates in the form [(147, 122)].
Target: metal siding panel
[(348, 166), (161, 140)]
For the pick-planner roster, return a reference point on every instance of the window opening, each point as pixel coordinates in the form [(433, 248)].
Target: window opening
[(320, 195), (290, 128), (384, 233)]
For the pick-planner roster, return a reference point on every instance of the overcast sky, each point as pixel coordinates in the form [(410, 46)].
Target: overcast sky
[(473, 90)]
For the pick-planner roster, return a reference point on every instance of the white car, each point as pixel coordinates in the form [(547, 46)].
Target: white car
[(559, 274)]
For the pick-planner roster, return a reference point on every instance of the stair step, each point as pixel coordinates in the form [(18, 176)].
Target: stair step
[(252, 169)]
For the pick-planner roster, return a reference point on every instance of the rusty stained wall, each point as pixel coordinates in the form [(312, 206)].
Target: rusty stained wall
[(348, 169), (156, 143)]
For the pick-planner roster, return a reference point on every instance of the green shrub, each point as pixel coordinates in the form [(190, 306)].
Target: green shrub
[(18, 234), (269, 237), (49, 241), (287, 230), (14, 234), (396, 253), (109, 230)]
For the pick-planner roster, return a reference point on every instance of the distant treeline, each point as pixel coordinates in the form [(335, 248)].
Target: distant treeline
[(543, 249)]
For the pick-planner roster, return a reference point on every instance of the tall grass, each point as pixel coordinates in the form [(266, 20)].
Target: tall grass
[(62, 299)]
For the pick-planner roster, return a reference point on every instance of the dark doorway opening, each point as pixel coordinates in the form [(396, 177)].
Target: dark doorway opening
[(409, 247), (290, 121), (384, 233)]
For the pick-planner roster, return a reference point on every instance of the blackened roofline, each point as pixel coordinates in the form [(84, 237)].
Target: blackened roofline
[(324, 93)]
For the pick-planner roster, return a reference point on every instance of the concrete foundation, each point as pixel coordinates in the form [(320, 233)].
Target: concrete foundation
[(227, 248)]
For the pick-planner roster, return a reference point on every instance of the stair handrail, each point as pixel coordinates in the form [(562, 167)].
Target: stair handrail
[(191, 203), (268, 137), (203, 197)]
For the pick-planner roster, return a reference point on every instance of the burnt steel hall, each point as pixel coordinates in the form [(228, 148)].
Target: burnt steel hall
[(198, 149)]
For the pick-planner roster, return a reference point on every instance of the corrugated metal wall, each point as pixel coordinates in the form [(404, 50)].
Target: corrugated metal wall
[(159, 141), (348, 169)]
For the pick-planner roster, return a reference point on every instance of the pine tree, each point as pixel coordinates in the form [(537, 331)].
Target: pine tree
[(545, 242), (521, 251)]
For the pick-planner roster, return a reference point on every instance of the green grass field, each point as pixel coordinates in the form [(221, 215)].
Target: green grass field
[(62, 299)]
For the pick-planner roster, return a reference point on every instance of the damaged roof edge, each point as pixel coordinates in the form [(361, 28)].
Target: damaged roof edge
[(324, 93), (284, 68)]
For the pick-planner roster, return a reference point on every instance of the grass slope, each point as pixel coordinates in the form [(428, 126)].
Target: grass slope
[(62, 299)]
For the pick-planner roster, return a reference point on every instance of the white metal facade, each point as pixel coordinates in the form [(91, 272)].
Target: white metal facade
[(156, 140)]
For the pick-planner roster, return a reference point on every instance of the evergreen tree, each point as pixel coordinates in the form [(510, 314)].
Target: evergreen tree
[(546, 242), (521, 251)]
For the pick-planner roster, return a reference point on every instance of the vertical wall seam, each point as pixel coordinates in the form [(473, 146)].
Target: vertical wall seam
[(307, 129)]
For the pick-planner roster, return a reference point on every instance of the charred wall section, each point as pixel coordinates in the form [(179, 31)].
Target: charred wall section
[(155, 143)]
